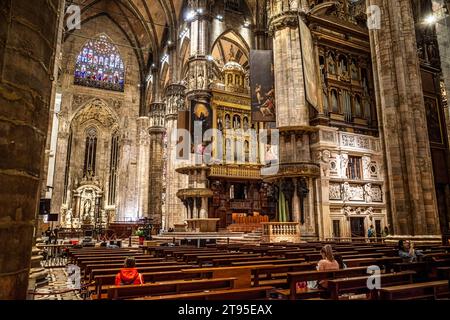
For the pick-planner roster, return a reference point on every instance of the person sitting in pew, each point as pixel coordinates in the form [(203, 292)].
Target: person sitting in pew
[(406, 251), (328, 263), (129, 275)]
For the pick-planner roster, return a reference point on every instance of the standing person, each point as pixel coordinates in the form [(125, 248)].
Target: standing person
[(48, 234), (129, 275), (55, 231), (371, 233)]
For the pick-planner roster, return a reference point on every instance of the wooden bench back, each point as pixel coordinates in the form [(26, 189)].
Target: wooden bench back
[(170, 287), (233, 294)]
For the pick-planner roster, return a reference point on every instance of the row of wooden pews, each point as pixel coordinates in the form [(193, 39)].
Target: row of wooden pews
[(267, 271)]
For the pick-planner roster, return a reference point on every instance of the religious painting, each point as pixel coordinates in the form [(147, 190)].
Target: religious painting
[(262, 86), (201, 121)]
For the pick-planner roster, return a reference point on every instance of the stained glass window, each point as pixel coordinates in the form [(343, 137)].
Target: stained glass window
[(100, 65)]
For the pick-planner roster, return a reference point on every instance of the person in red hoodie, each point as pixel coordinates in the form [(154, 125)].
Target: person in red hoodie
[(129, 275)]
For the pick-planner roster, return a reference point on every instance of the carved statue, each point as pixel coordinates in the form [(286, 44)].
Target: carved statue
[(344, 164), (368, 192), (354, 71), (201, 81), (346, 194), (331, 64), (324, 160)]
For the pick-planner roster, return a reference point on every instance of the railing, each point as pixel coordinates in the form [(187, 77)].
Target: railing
[(241, 172), (281, 231)]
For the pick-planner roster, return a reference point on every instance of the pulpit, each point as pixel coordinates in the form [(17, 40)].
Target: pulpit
[(202, 224)]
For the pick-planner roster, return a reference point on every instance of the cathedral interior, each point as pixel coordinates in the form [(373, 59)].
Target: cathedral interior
[(313, 119)]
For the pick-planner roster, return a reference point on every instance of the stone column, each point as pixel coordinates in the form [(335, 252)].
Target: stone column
[(200, 74), (443, 38), (143, 165), (27, 55), (157, 131), (410, 190), (292, 108), (174, 208)]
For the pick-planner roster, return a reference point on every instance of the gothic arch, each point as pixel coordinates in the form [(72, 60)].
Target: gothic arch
[(97, 110)]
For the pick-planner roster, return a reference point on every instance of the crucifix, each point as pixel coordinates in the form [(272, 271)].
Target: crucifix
[(302, 192)]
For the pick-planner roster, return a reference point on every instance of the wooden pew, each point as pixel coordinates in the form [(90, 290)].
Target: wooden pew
[(193, 257), (383, 261), (294, 277), (76, 259), (107, 276), (114, 271), (139, 266), (174, 275), (279, 270), (209, 258), (336, 287), (416, 291), (169, 287), (252, 260), (260, 293), (264, 262), (83, 264)]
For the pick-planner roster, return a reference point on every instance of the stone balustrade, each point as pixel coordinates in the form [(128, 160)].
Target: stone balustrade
[(281, 231)]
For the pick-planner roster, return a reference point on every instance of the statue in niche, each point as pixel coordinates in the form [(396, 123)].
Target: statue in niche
[(368, 192), (201, 81), (192, 81), (227, 121), (324, 160), (334, 101), (344, 164), (366, 161), (354, 70), (231, 54), (219, 124), (331, 64), (343, 68), (346, 194)]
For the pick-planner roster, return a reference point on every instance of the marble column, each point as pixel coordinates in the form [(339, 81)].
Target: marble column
[(157, 132), (174, 208), (27, 55), (402, 118), (292, 111), (143, 165)]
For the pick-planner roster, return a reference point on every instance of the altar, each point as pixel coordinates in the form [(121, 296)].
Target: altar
[(202, 224)]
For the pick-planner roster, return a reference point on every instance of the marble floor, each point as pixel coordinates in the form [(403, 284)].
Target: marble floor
[(58, 288)]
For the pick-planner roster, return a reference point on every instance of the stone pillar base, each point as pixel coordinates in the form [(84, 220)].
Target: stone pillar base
[(426, 239)]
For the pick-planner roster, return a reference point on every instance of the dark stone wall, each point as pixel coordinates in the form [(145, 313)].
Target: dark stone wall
[(27, 45)]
